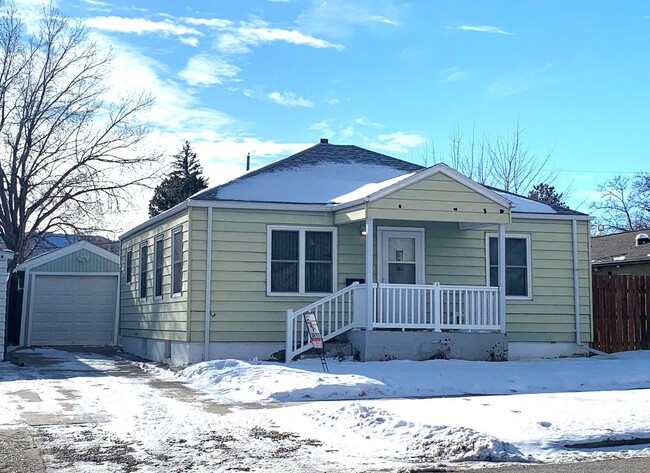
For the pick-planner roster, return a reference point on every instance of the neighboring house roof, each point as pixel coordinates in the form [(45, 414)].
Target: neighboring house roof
[(59, 253), (331, 174), (619, 249)]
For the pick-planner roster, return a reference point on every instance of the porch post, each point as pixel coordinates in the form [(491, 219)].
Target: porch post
[(369, 266), (502, 275)]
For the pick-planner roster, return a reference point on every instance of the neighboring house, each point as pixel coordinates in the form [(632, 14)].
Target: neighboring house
[(626, 253), (396, 259), (5, 257), (69, 297)]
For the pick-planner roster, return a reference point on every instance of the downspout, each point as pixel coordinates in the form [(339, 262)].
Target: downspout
[(208, 288), (576, 292)]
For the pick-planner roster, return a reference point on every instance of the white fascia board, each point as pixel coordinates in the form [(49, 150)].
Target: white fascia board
[(155, 220), (241, 204), (428, 172), (6, 254), (66, 250), (516, 215)]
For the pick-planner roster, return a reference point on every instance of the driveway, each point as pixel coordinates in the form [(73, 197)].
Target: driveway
[(72, 411)]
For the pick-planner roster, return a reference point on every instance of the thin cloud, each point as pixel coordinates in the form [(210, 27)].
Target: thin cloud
[(521, 82), (289, 99), (240, 40), (484, 29), (140, 26), (190, 41), (398, 142), (454, 74), (205, 69)]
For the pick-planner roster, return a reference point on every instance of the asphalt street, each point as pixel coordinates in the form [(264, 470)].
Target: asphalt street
[(627, 465)]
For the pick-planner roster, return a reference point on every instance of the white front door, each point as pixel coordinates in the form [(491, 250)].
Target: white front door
[(401, 263), (401, 256)]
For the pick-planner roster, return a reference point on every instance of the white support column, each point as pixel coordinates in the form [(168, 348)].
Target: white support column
[(370, 309), (501, 269)]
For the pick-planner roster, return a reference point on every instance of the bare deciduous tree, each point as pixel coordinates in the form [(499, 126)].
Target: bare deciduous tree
[(68, 154), (504, 162), (623, 204)]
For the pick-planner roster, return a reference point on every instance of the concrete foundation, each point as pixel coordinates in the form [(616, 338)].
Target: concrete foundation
[(183, 353), (378, 345), (531, 350)]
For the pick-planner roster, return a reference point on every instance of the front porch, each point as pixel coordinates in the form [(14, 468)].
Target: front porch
[(406, 321)]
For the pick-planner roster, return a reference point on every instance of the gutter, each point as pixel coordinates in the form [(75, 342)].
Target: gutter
[(208, 289), (576, 293)]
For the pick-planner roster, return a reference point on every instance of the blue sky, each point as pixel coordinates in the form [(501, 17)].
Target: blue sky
[(272, 77)]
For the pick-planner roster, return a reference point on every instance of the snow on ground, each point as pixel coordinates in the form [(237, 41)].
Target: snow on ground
[(114, 415), (254, 381)]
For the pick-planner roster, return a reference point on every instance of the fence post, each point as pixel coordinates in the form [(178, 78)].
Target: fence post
[(289, 342), (436, 307)]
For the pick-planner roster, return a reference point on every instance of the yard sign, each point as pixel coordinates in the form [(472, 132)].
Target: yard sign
[(315, 337)]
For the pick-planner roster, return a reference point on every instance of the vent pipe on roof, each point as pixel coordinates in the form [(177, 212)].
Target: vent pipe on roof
[(642, 239), (248, 162), (324, 141)]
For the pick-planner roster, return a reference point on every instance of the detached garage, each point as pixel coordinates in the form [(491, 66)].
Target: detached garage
[(70, 297)]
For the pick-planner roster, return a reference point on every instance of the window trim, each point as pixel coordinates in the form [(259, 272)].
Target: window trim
[(529, 270), (159, 238), (128, 268), (301, 229), (143, 244), (175, 231)]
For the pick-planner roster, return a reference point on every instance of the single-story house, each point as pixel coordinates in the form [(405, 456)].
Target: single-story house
[(5, 257), (626, 253), (70, 297), (393, 258)]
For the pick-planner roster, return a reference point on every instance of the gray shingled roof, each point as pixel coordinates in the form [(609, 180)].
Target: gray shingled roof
[(619, 248), (324, 172), (354, 167)]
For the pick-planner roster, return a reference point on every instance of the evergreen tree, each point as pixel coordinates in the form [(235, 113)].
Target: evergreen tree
[(184, 180), (547, 194)]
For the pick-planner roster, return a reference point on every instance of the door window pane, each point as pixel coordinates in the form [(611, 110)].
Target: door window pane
[(401, 273), (401, 249)]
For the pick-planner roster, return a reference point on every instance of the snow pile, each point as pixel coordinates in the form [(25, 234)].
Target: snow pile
[(459, 444), (240, 381)]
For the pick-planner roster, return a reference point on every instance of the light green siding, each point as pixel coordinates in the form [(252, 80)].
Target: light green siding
[(240, 307), (80, 261), (438, 198), (241, 310), (165, 318)]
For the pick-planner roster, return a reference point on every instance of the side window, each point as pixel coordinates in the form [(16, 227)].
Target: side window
[(144, 268), (158, 268), (517, 265), (177, 261), (128, 270)]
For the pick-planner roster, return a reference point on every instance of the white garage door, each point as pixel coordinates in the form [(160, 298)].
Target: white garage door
[(73, 310)]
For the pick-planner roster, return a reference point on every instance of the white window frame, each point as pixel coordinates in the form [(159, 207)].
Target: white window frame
[(159, 238), (301, 258), (146, 288), (128, 269), (175, 231), (529, 271)]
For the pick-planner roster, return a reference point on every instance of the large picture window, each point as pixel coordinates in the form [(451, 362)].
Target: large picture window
[(301, 260), (177, 261), (518, 273), (158, 268)]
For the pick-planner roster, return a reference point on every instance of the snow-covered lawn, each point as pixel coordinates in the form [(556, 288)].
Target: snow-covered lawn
[(136, 417)]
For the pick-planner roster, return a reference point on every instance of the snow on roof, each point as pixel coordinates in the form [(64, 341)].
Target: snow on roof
[(368, 189), (329, 174)]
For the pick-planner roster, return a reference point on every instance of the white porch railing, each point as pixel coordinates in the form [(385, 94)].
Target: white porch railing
[(397, 306), (436, 307), (335, 315)]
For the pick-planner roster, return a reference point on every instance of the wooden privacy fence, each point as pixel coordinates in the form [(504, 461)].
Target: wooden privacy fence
[(621, 312)]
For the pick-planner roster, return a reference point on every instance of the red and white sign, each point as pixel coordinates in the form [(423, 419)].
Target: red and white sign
[(315, 337)]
